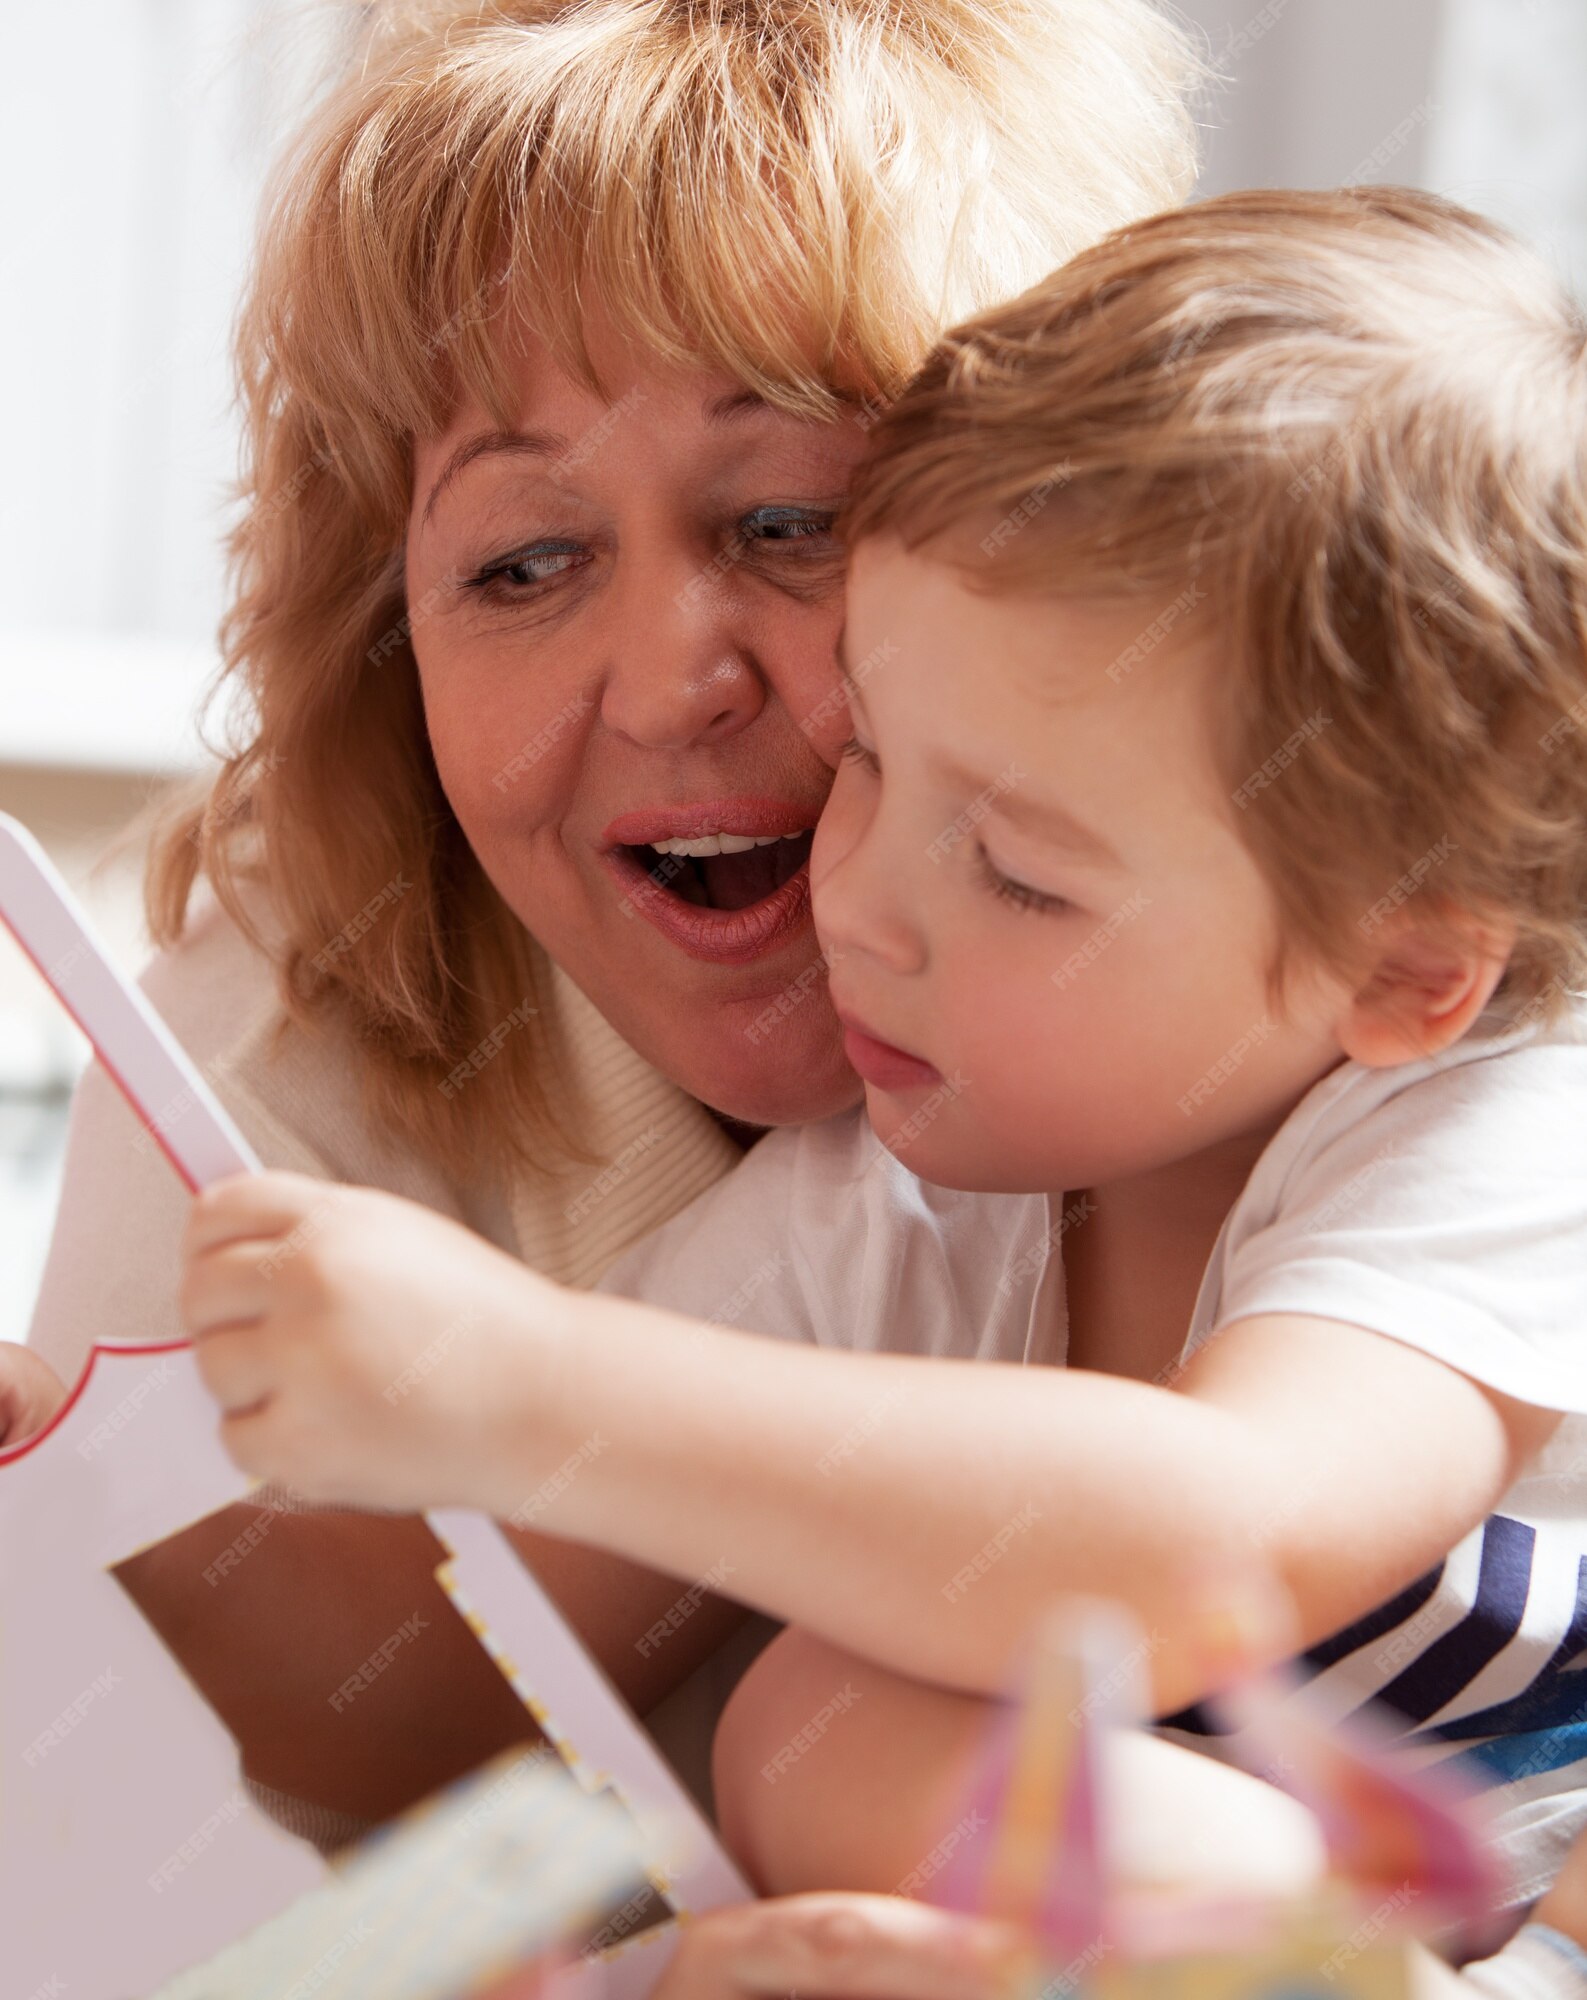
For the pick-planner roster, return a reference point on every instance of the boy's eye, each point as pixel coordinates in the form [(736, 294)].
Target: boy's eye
[(855, 752), (1020, 894)]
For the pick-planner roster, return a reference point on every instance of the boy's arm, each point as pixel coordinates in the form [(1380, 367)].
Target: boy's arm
[(910, 1509), (914, 1510)]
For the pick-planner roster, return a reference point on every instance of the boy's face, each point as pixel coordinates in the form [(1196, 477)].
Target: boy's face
[(1125, 1023)]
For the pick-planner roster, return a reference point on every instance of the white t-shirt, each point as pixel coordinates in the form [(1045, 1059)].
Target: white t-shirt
[(1442, 1203)]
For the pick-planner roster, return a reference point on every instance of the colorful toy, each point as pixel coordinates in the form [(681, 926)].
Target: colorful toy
[(1406, 1850)]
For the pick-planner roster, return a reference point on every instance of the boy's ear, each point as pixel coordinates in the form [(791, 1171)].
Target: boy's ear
[(1425, 986)]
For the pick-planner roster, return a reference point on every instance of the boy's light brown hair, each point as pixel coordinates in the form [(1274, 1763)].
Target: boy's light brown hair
[(1347, 433)]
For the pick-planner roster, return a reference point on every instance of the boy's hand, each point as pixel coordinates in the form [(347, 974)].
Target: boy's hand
[(30, 1393), (364, 1349)]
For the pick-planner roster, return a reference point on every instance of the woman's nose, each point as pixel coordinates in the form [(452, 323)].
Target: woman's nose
[(681, 671)]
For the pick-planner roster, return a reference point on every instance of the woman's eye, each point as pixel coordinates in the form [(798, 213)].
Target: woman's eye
[(521, 573), (787, 524), (855, 752), (1020, 894)]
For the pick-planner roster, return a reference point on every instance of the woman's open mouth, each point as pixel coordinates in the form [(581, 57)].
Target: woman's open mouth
[(729, 892)]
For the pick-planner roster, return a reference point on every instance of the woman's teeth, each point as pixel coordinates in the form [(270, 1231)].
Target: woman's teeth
[(708, 844)]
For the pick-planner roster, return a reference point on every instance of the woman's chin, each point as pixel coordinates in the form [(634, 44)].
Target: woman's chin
[(789, 1078)]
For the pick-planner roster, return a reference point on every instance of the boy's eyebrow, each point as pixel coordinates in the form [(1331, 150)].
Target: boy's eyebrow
[(1043, 817)]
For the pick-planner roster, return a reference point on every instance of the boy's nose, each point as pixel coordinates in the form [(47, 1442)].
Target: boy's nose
[(860, 897)]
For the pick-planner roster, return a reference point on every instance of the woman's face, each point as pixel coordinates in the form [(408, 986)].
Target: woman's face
[(624, 616)]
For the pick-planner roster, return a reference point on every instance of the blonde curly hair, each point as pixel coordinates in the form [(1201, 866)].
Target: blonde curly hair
[(799, 193)]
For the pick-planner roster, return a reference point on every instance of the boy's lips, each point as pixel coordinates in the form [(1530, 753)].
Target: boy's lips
[(883, 1063), (731, 908)]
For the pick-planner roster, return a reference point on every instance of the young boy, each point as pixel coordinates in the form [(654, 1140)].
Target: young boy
[(1205, 897)]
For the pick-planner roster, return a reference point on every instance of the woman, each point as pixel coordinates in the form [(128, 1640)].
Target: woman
[(566, 327)]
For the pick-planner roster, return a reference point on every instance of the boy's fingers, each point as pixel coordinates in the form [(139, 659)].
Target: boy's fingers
[(233, 1282), (267, 1204), (234, 1368), (243, 1439)]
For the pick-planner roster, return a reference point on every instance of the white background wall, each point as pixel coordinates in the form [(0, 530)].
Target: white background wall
[(134, 138)]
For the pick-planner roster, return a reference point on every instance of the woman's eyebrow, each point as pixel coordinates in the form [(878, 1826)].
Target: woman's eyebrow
[(518, 444), (552, 444)]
